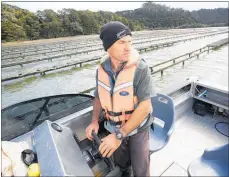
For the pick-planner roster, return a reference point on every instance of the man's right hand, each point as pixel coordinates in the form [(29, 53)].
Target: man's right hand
[(94, 125)]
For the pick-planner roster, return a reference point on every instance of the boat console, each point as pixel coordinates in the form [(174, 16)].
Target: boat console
[(57, 151)]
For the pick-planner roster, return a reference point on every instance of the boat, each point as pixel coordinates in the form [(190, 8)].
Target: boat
[(195, 143)]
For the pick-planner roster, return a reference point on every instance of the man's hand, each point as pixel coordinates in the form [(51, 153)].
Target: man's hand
[(109, 144), (94, 125)]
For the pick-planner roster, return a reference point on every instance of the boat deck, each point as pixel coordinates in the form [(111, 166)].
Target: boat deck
[(192, 135)]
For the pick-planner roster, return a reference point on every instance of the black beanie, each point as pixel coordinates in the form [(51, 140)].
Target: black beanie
[(113, 31)]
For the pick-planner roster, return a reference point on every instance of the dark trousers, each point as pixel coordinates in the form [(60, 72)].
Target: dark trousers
[(134, 151)]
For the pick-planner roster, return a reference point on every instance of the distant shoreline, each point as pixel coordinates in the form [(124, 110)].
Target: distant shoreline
[(17, 43), (69, 38)]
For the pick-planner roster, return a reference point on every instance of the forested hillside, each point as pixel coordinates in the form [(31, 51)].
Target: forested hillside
[(211, 16), (159, 16), (21, 24)]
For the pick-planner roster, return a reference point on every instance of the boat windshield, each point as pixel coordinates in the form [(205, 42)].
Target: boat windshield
[(22, 117)]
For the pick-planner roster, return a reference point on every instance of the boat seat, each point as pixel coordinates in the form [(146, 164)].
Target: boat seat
[(58, 153), (213, 162), (164, 118)]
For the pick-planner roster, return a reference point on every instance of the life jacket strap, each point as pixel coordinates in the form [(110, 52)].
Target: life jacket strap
[(116, 123), (114, 114)]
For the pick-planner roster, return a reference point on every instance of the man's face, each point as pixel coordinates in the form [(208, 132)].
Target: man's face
[(121, 49)]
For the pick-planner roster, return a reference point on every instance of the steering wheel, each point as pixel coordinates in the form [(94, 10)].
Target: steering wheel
[(108, 160)]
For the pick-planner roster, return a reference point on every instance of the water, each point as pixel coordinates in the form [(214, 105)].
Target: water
[(74, 58), (77, 80), (212, 67)]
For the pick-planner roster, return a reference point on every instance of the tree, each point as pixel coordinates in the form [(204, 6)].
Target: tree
[(31, 26), (11, 32)]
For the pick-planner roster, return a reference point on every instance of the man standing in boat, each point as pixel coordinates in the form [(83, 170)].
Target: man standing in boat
[(124, 87)]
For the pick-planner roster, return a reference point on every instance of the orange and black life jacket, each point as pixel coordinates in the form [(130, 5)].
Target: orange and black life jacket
[(122, 99)]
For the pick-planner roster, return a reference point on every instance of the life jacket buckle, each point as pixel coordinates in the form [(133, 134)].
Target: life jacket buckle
[(112, 114)]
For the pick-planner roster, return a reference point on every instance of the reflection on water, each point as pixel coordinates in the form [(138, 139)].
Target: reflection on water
[(18, 85)]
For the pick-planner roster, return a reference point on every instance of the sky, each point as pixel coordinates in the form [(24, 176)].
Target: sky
[(114, 6)]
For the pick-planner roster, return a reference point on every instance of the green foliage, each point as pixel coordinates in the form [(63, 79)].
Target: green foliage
[(211, 16), (155, 16), (12, 31), (193, 25), (20, 24)]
